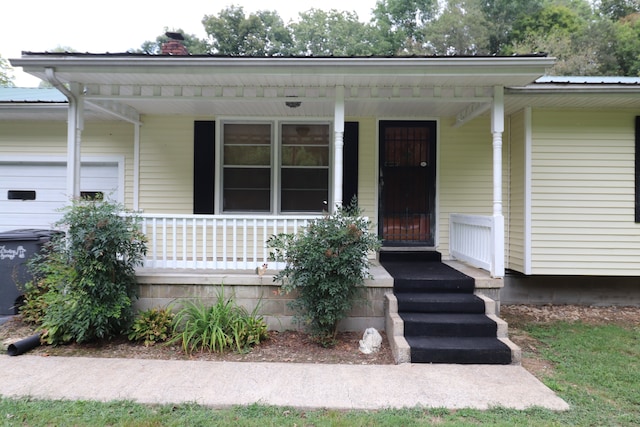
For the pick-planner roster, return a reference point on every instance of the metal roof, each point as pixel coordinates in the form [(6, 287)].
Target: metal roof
[(31, 95), (590, 80)]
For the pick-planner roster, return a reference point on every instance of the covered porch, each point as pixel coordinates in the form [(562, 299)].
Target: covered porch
[(146, 91)]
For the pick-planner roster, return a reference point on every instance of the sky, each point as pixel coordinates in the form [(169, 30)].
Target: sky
[(92, 26)]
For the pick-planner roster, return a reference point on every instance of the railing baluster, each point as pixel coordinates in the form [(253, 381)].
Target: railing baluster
[(214, 228), (174, 246), (164, 242), (204, 242), (183, 261), (224, 243)]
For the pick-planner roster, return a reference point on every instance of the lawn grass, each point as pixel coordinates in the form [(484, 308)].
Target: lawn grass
[(596, 370)]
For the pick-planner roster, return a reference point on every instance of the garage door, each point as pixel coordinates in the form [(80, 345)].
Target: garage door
[(31, 193)]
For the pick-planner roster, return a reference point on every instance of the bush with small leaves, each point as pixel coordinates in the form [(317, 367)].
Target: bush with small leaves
[(152, 326), (327, 264), (90, 273)]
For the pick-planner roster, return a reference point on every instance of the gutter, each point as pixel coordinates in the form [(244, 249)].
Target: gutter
[(31, 62)]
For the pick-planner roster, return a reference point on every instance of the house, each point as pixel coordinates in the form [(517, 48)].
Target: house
[(513, 176)]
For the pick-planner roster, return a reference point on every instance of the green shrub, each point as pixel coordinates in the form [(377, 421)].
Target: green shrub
[(90, 273), (49, 268), (327, 264), (152, 326), (224, 325)]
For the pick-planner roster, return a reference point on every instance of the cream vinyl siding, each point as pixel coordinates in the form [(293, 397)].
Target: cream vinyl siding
[(515, 208), (43, 138), (465, 173), (166, 165), (583, 193)]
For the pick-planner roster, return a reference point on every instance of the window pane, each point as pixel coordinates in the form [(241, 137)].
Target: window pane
[(252, 134), (300, 134), (247, 189), (304, 190), (305, 156), (247, 155)]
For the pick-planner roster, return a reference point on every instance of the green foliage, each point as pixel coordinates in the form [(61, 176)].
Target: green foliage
[(258, 34), (6, 73), (86, 281), (327, 264), (222, 326), (49, 268), (579, 33), (321, 33), (152, 326)]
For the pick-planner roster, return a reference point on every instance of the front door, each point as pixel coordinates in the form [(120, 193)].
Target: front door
[(407, 182)]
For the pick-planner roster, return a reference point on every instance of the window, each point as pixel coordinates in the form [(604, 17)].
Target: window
[(300, 183), (305, 168), (21, 195), (247, 167)]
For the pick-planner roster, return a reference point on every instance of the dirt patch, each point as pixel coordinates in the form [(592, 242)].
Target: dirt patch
[(519, 315), (287, 346), (297, 347)]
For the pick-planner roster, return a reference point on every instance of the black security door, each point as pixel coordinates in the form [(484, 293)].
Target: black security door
[(407, 182)]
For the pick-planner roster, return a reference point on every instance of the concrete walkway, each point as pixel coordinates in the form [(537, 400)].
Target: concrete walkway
[(307, 386)]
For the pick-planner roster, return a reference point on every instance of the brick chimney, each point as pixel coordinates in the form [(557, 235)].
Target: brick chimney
[(174, 46)]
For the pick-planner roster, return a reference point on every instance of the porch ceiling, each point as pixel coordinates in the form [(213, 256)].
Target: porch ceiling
[(239, 86)]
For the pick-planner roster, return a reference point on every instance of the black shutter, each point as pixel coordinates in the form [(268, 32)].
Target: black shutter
[(350, 162), (637, 168), (203, 166)]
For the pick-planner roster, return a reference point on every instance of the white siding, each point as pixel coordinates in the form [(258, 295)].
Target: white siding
[(583, 193)]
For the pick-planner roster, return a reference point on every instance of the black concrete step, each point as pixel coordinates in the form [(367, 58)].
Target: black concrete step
[(428, 277), (434, 285), (409, 256), (448, 325), (459, 350), (420, 302)]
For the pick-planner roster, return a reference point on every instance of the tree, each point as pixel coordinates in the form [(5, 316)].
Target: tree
[(258, 34), (556, 19), (502, 15), (627, 45), (461, 29), (6, 73), (400, 22), (333, 33), (617, 9)]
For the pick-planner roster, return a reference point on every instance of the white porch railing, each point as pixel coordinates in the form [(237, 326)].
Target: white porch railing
[(213, 241), (472, 240)]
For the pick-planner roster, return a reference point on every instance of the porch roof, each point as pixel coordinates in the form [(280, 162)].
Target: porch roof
[(205, 85)]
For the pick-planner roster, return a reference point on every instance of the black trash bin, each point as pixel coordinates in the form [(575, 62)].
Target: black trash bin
[(16, 248)]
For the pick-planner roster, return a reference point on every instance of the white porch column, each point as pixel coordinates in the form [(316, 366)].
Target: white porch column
[(75, 125), (497, 128), (338, 148)]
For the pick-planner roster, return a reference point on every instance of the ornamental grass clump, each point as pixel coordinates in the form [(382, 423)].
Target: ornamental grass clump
[(222, 326), (327, 264)]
